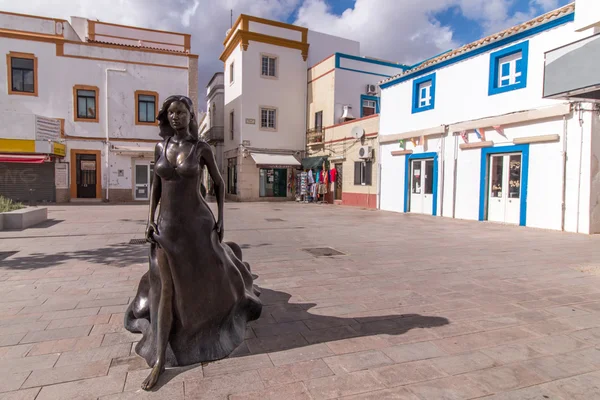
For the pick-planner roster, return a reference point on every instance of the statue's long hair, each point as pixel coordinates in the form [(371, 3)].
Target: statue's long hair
[(163, 120)]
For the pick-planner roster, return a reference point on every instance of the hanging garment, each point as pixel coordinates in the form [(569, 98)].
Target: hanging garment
[(317, 176), (311, 179), (333, 174), (325, 177)]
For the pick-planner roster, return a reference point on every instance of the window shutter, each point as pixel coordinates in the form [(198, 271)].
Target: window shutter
[(357, 173), (368, 173)]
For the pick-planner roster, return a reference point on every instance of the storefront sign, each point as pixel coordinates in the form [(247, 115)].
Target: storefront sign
[(59, 149), (88, 165), (61, 175), (250, 121)]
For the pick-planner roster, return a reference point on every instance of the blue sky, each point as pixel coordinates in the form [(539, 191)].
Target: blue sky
[(465, 30)]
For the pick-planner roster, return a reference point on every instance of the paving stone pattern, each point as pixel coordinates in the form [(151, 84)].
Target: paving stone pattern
[(415, 307)]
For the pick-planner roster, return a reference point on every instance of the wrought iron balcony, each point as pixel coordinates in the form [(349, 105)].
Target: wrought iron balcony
[(215, 134)]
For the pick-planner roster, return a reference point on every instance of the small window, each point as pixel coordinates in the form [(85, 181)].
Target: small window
[(146, 107), (369, 105), (423, 94), (23, 73), (269, 66), (231, 123), (86, 103), (268, 118), (508, 69), (319, 121), (231, 73), (363, 171)]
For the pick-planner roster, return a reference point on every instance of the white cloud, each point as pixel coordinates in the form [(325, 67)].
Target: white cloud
[(395, 30)]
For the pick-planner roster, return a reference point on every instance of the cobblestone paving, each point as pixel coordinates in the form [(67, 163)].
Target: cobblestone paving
[(415, 307)]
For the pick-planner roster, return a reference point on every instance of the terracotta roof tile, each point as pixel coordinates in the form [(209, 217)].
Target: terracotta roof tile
[(552, 15), (132, 46)]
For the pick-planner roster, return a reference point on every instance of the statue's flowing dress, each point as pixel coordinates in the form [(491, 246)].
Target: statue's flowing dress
[(213, 292)]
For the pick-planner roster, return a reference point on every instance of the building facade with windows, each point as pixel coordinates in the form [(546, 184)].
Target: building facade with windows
[(469, 134), (343, 123), (213, 131), (79, 106), (265, 96)]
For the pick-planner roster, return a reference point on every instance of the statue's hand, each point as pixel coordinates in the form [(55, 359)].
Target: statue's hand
[(151, 229), (219, 228)]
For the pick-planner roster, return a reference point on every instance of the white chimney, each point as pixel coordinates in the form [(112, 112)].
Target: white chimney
[(347, 115)]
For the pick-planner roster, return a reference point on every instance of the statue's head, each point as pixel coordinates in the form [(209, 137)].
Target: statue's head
[(177, 112)]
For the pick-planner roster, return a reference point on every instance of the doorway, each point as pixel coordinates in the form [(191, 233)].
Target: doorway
[(143, 174), (338, 181), (420, 183), (504, 189), (421, 186), (86, 166), (273, 182)]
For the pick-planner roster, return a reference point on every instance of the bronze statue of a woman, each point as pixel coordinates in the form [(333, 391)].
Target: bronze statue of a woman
[(198, 295)]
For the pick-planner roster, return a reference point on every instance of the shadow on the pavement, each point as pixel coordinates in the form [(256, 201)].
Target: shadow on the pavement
[(119, 255), (287, 326)]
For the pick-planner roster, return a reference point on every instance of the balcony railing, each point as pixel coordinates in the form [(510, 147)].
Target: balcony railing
[(315, 135), (214, 134)]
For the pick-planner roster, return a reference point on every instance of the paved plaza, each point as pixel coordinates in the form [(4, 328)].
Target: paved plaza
[(414, 307)]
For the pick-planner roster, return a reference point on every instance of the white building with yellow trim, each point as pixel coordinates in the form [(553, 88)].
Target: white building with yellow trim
[(265, 96), (79, 106)]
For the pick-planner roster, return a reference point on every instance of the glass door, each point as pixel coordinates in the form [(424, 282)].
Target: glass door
[(421, 186), (504, 201), (143, 179)]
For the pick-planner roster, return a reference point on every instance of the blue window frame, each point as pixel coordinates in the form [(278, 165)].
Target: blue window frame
[(423, 97), (508, 69), (369, 105)]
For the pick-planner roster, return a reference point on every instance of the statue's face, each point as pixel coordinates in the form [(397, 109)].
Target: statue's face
[(179, 116)]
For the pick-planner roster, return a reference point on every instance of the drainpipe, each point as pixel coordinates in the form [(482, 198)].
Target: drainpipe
[(455, 173), (107, 168), (441, 173), (580, 116), (379, 167), (564, 175)]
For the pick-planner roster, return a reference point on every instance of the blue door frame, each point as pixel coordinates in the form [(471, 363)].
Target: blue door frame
[(407, 174), (483, 180)]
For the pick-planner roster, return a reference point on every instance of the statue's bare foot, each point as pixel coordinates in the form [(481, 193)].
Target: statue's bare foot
[(152, 378)]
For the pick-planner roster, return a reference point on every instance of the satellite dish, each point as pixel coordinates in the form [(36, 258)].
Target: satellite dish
[(357, 132)]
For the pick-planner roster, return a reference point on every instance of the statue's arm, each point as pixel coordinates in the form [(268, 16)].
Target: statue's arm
[(209, 160), (156, 186)]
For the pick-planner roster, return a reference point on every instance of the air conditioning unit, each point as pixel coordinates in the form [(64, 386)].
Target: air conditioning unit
[(371, 89), (365, 152)]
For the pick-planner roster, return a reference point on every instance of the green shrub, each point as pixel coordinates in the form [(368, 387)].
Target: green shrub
[(9, 205)]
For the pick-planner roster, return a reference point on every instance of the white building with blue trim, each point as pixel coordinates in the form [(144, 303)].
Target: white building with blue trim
[(470, 134)]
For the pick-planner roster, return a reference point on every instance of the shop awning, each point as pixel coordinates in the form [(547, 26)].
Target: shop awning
[(273, 160), (148, 148), (313, 162), (23, 158)]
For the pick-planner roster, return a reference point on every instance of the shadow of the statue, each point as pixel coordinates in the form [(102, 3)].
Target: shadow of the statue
[(285, 326)]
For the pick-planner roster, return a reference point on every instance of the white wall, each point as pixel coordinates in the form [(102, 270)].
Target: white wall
[(56, 77), (462, 89), (392, 179), (55, 97), (46, 26), (323, 45), (233, 98), (350, 85), (276, 31), (287, 93)]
